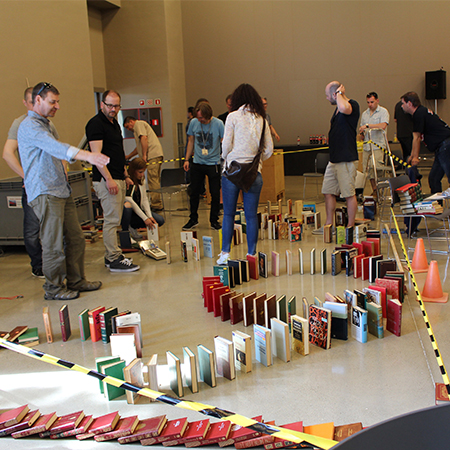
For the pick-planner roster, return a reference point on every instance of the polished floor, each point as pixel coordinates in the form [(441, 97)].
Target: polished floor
[(350, 382)]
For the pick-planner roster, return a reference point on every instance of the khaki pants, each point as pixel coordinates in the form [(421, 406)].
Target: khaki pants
[(112, 206), (62, 241), (153, 180)]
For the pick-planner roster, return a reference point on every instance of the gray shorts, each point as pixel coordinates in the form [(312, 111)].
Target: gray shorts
[(340, 178)]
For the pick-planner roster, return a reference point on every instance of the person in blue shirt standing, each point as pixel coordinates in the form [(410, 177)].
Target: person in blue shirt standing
[(50, 196), (205, 134)]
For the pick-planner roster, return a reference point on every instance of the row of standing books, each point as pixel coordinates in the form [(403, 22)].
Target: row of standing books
[(21, 422)]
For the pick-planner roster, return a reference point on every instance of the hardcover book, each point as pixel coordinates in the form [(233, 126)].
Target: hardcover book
[(64, 321), (104, 361), (291, 310), (258, 309), (225, 305), (16, 332), (130, 319), (300, 261), (320, 326), (384, 266), (223, 273), (113, 370), (300, 335), (253, 267), (94, 323), (83, 322), (263, 345), (239, 433), (80, 429), (236, 309), (375, 319), (208, 301), (263, 269), (132, 329), (47, 324), (295, 232), (247, 308), (243, 351), (64, 423), (101, 424), (235, 267), (173, 429), (224, 350), (288, 262), (206, 365), (313, 261), (342, 432), (359, 324), (275, 264), (13, 416), (323, 261), (216, 294), (194, 431), (151, 375), (339, 319), (105, 323), (218, 432), (208, 246), (340, 234), (25, 423), (42, 424), (123, 345), (190, 369), (336, 263), (270, 310), (394, 317), (145, 429), (176, 379), (327, 234), (282, 309), (281, 343), (133, 373), (373, 267), (125, 427), (283, 443)]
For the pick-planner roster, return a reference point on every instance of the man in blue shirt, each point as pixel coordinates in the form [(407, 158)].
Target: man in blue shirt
[(50, 196), (205, 134)]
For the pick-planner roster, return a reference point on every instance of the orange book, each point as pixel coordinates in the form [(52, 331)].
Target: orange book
[(94, 323)]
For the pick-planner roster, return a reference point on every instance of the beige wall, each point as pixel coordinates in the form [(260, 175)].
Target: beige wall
[(46, 41), (289, 51), (97, 50)]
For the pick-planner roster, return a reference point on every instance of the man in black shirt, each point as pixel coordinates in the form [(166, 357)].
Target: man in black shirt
[(104, 136), (436, 135), (340, 174)]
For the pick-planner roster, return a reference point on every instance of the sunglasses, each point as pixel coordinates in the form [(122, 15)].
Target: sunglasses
[(44, 86)]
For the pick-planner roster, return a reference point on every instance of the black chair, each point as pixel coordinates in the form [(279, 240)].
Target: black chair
[(320, 164), (172, 182)]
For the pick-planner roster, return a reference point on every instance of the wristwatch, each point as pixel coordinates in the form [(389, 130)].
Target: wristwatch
[(367, 125)]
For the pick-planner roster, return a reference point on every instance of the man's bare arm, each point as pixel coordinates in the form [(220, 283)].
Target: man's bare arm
[(96, 148), (9, 155)]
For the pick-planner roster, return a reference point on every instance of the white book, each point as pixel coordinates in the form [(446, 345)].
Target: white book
[(208, 246), (224, 350), (187, 236), (130, 319), (300, 334), (281, 345), (153, 233), (242, 350), (151, 374), (176, 380), (189, 369), (270, 229), (122, 345), (263, 345)]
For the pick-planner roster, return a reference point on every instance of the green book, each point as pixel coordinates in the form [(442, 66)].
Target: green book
[(340, 235), (83, 321), (291, 310), (206, 365), (223, 273), (30, 335), (105, 323), (375, 319), (113, 370), (104, 361)]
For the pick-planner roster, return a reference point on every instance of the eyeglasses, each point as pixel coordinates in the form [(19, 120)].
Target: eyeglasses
[(110, 106), (44, 86)]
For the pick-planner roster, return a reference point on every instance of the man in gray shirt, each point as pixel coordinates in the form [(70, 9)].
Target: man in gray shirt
[(49, 194)]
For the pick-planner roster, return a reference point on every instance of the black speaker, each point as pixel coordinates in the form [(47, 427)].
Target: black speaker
[(436, 85)]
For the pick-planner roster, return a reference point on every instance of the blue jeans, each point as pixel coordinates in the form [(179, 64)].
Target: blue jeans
[(230, 194), (440, 167), (31, 237)]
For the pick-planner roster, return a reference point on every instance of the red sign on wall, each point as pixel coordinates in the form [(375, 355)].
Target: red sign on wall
[(157, 101), (141, 102)]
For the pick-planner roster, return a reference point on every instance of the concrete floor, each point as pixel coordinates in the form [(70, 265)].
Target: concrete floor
[(350, 382)]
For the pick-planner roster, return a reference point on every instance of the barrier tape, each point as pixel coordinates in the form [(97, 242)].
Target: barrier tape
[(212, 411), (434, 343), (388, 152)]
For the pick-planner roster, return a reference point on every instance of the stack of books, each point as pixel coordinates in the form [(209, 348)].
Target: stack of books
[(409, 194), (428, 207)]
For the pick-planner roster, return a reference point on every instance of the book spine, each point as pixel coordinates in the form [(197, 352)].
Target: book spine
[(48, 328), (28, 432), (257, 442), (111, 436), (104, 333), (62, 322)]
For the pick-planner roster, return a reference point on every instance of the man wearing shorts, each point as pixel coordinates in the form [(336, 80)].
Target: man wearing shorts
[(340, 174)]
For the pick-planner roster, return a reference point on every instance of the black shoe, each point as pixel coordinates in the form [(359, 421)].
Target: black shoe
[(123, 265), (216, 226), (191, 224), (108, 262), (65, 294), (37, 273)]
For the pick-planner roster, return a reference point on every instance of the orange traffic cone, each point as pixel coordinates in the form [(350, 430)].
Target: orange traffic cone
[(432, 291), (419, 263)]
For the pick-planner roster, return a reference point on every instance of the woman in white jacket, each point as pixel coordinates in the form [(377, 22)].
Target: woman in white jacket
[(136, 211)]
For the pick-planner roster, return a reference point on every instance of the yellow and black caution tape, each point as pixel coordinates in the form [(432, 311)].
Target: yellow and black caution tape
[(389, 153), (434, 344), (212, 411), (304, 150), (166, 161)]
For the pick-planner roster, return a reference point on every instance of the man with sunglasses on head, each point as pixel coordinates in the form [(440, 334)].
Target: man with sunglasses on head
[(105, 137), (50, 196)]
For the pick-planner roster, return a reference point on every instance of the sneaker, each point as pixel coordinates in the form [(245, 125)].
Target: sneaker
[(64, 294), (191, 224), (135, 235), (86, 286), (37, 273), (319, 231), (108, 262), (123, 265), (223, 259), (216, 226)]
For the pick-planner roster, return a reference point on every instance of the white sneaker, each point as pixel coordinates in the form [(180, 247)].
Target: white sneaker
[(223, 259)]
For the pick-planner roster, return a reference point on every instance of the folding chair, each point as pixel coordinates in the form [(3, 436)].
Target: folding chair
[(320, 164)]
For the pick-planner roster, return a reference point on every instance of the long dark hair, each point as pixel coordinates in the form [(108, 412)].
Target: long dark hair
[(136, 164), (245, 94)]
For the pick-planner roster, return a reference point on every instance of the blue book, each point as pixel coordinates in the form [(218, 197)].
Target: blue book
[(263, 344), (208, 246)]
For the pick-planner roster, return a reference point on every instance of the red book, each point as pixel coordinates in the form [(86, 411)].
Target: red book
[(270, 309), (64, 423), (205, 282), (368, 248), (145, 429), (383, 292), (239, 433), (258, 309), (80, 429), (377, 245), (342, 432), (217, 432), (359, 247), (124, 427), (14, 334), (13, 416), (94, 323), (357, 265), (216, 293), (365, 268), (225, 305), (282, 443), (392, 286), (174, 429), (65, 322), (26, 422), (247, 309), (394, 316), (101, 424), (208, 293), (41, 425), (253, 267), (195, 430), (255, 442), (236, 306)]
